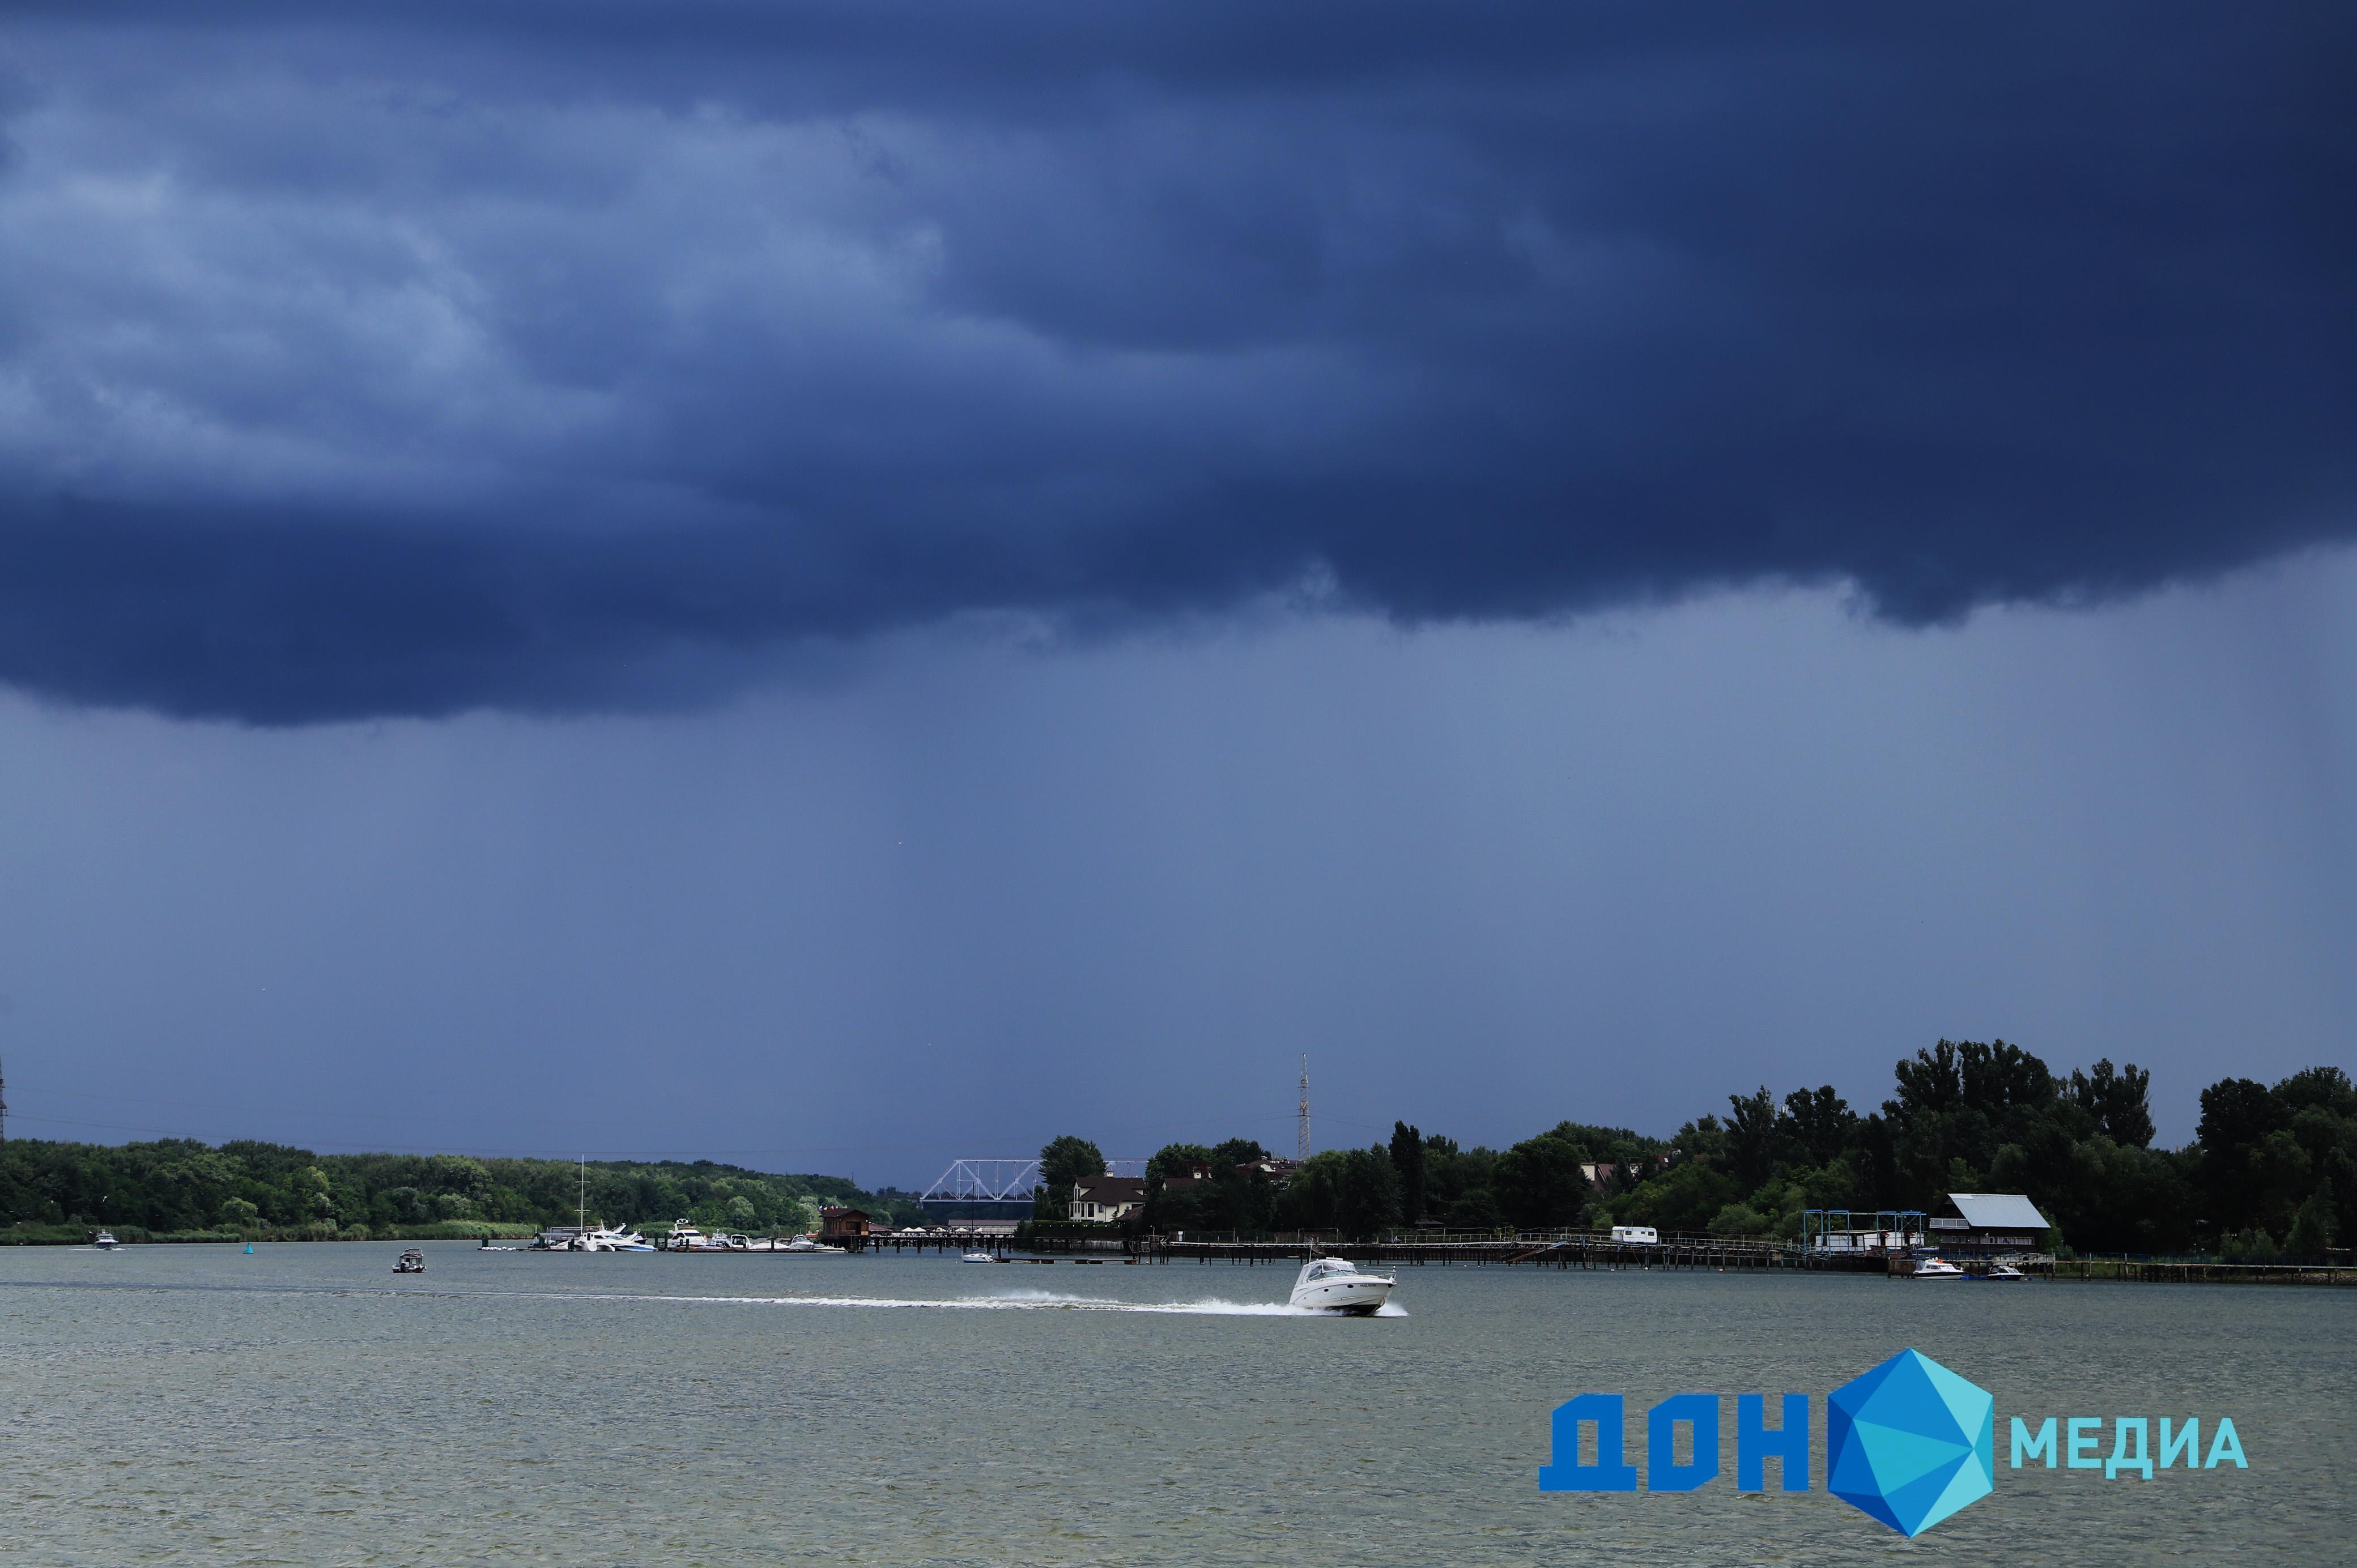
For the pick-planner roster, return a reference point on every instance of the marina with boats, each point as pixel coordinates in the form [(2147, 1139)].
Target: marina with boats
[(682, 1236)]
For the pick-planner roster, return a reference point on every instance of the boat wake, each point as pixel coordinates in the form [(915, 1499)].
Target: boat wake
[(1020, 1301), (996, 1301)]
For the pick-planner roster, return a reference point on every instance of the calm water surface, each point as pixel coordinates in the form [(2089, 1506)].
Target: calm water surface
[(305, 1405)]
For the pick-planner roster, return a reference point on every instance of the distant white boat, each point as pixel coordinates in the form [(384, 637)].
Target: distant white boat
[(1936, 1269), (2006, 1272), (804, 1244), (104, 1242), (684, 1237), (1333, 1285), (977, 1258)]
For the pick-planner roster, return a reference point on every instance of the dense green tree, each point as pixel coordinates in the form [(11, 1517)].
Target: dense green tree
[(1407, 1163), (2314, 1225), (2115, 1102), (1064, 1162), (1753, 1144), (1238, 1152), (1741, 1220), (178, 1185), (1816, 1126), (1539, 1183), (1457, 1185), (1686, 1197), (1352, 1192), (1236, 1200), (1172, 1159)]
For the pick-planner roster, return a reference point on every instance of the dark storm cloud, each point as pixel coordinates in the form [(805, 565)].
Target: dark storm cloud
[(355, 367)]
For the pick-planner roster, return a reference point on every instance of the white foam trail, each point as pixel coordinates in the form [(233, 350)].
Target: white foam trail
[(1006, 1300)]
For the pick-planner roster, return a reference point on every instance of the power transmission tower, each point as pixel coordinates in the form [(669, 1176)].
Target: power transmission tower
[(1301, 1140)]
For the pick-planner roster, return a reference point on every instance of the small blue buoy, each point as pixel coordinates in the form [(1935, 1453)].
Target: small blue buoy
[(249, 1249)]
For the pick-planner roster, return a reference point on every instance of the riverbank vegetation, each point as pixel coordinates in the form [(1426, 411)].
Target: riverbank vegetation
[(2271, 1175), (178, 1190)]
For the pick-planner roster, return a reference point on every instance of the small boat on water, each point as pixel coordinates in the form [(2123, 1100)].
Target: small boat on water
[(1936, 1269), (104, 1242), (2001, 1272), (804, 1244), (413, 1261), (1336, 1284), (977, 1258)]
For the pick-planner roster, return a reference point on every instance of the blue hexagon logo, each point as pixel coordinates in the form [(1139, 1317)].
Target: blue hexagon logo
[(1911, 1442)]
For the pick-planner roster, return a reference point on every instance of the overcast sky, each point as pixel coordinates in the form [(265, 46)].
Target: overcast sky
[(845, 586)]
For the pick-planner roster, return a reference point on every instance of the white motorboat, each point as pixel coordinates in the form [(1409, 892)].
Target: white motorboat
[(1936, 1269), (684, 1237), (413, 1261), (977, 1258), (1333, 1285), (104, 1242), (604, 1238), (804, 1244), (2005, 1271)]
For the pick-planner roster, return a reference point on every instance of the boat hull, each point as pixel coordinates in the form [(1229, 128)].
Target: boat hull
[(1353, 1297)]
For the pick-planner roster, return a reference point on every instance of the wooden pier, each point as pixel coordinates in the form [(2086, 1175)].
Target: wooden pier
[(2186, 1272), (1556, 1250), (1593, 1250), (1576, 1250)]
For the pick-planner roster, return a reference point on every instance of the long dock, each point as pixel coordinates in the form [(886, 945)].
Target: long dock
[(1570, 1249), (1557, 1249), (1575, 1251), (2184, 1271)]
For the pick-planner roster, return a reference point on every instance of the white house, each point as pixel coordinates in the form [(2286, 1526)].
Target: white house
[(1108, 1198)]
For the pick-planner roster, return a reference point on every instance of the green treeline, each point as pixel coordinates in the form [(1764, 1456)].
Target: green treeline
[(181, 1188), (2272, 1173)]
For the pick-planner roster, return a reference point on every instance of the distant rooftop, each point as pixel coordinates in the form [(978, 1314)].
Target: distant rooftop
[(1999, 1211)]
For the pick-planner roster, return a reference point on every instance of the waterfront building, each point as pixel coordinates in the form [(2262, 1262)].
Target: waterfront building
[(1988, 1224), (1107, 1197), (835, 1224)]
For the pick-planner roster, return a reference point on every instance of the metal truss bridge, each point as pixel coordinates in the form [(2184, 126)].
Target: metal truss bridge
[(1002, 1181)]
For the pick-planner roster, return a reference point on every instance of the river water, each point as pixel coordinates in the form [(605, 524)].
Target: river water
[(303, 1404)]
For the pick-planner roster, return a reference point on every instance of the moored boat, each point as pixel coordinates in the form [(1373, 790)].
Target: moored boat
[(805, 1244), (1335, 1284), (684, 1237), (1936, 1269)]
